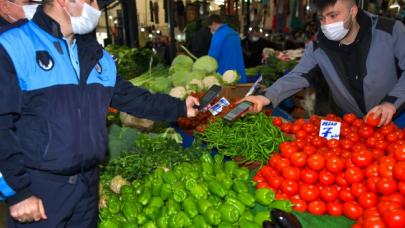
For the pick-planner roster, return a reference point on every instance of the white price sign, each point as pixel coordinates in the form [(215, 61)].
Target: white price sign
[(330, 129)]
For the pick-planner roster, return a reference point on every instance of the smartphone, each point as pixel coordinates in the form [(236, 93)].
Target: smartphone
[(235, 113), (208, 97)]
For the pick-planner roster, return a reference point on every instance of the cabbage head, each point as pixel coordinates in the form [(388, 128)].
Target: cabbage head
[(206, 63), (182, 60), (160, 85), (180, 78)]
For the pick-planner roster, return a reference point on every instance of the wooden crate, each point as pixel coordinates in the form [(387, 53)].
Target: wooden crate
[(235, 93)]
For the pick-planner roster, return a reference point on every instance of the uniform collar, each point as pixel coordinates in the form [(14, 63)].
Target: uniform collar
[(46, 23), (3, 22)]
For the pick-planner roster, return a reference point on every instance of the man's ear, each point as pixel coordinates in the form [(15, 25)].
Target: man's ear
[(355, 11), (61, 2)]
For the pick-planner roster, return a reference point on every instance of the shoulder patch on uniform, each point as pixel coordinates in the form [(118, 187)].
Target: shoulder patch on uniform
[(13, 25), (44, 60), (385, 24)]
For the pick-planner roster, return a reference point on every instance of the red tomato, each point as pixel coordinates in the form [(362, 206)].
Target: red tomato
[(381, 144), (372, 170), (308, 149), (354, 175), (315, 120), (345, 195), (275, 182), (332, 143), (262, 185), (334, 208), (376, 222), (326, 178), (349, 118), (318, 141), (301, 134), (317, 207), (394, 218), (309, 192), (308, 127), (385, 130), (295, 128), (341, 180), (396, 197), (282, 164), (352, 210), (371, 183), (399, 153), (386, 186), (384, 206), (287, 149), (367, 200), (258, 178), (370, 142), (301, 143), (329, 193), (401, 187), (286, 127), (358, 123), (377, 153), (359, 147), (316, 162), (358, 189), (289, 187), (300, 121), (298, 159), (274, 160), (370, 121), (309, 176), (399, 171), (362, 158), (353, 137), (371, 212), (268, 172), (281, 196), (346, 144), (391, 137), (277, 121), (291, 173), (385, 169), (299, 205)]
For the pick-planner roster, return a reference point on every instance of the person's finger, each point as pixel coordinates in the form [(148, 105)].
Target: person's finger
[(377, 112), (389, 118), (384, 116)]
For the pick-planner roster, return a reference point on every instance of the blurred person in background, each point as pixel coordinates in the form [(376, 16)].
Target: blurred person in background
[(253, 46), (12, 11)]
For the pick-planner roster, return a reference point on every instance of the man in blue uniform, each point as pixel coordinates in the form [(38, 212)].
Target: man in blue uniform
[(226, 47), (56, 84)]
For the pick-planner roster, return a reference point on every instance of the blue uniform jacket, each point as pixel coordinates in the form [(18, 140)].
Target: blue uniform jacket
[(227, 50), (52, 119)]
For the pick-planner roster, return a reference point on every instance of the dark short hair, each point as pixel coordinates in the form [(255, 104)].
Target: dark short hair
[(47, 2), (214, 18), (322, 4)]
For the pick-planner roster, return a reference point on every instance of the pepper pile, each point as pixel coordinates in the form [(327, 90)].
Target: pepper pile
[(361, 176), (205, 194), (252, 138)]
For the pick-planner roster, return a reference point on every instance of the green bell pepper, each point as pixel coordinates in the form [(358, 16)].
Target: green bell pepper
[(240, 186), (248, 224), (247, 215), (166, 191), (145, 196), (225, 180), (105, 214), (229, 213), (213, 217), (110, 223), (172, 207), (242, 174), (129, 225), (231, 194), (163, 221), (198, 192), (120, 218), (215, 200), (238, 205), (179, 195), (246, 199), (156, 202), (225, 225), (203, 205), (126, 190), (283, 205), (262, 216), (136, 185), (130, 211), (190, 207), (157, 186), (199, 222), (206, 158), (217, 189), (153, 213), (179, 220), (141, 219), (169, 177), (114, 204), (207, 168), (230, 167), (149, 224), (207, 177), (264, 196), (218, 169), (190, 183), (219, 159)]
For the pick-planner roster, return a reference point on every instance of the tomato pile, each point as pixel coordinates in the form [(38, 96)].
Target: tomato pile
[(360, 176)]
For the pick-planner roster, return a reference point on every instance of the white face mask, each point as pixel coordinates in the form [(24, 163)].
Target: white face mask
[(335, 31), (29, 10), (254, 38), (87, 21)]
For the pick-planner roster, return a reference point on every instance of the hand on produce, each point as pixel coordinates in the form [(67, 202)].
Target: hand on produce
[(191, 102), (28, 210), (385, 111), (258, 103)]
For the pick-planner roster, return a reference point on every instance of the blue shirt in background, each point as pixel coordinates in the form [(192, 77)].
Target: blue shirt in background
[(227, 50)]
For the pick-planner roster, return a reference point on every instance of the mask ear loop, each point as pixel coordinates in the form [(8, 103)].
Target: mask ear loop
[(11, 17)]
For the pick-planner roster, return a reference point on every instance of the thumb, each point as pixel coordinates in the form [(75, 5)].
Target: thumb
[(42, 210)]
